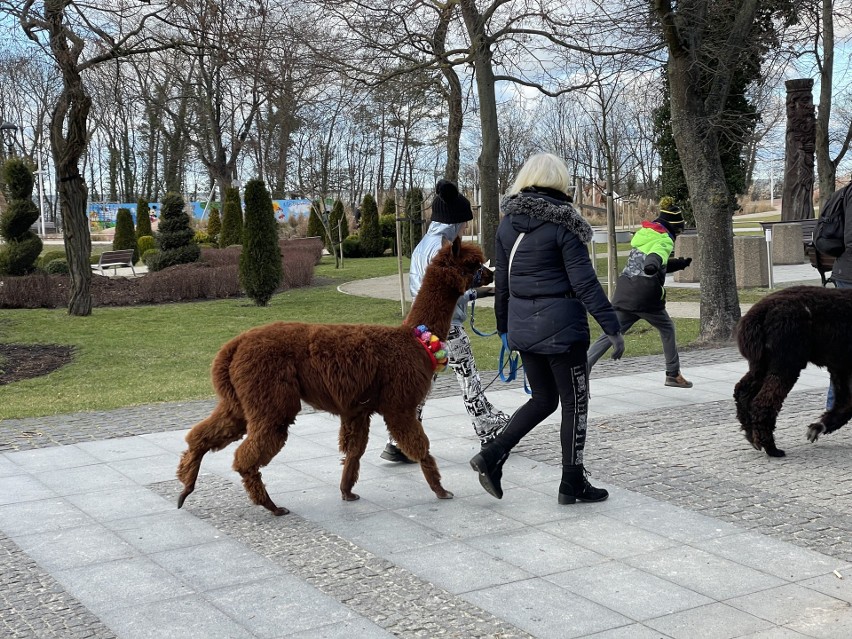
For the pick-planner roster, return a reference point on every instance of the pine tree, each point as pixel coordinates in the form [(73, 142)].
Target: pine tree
[(125, 236), (175, 237), (143, 219), (260, 260), (22, 247), (214, 225), (232, 220), (338, 217), (370, 232), (387, 224), (315, 227)]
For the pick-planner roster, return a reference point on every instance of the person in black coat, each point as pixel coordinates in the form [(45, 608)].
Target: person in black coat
[(545, 285)]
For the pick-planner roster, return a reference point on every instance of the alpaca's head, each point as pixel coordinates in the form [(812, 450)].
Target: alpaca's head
[(461, 266)]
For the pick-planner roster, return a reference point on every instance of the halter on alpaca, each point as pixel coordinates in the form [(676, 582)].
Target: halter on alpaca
[(351, 370)]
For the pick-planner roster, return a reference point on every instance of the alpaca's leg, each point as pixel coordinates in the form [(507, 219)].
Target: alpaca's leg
[(766, 406), (263, 442), (213, 433), (407, 430), (840, 413), (744, 393), (354, 433)]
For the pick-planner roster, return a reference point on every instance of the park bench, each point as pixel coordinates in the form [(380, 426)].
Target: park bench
[(820, 261), (115, 259)]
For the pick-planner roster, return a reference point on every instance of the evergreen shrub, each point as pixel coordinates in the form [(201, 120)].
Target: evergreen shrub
[(22, 247), (58, 266), (125, 234), (260, 260), (48, 256), (143, 219), (370, 233), (214, 226), (175, 237), (232, 219), (145, 243)]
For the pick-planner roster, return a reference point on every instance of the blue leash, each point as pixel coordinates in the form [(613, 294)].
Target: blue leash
[(472, 327), (506, 354)]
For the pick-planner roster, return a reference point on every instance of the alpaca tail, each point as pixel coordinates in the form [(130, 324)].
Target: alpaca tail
[(751, 337), (221, 374)]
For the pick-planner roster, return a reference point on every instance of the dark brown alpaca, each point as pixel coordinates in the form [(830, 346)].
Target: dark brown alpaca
[(350, 370), (778, 337)]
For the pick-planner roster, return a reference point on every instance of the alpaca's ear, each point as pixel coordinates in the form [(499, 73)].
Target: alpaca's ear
[(456, 246)]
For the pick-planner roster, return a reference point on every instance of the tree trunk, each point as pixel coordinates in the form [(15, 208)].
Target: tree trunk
[(68, 138), (488, 157), (826, 168), (698, 147), (453, 96)]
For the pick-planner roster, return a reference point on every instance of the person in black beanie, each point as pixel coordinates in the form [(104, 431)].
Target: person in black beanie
[(450, 214), (640, 291)]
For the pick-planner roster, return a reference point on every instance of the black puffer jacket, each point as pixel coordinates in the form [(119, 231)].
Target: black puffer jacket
[(553, 282)]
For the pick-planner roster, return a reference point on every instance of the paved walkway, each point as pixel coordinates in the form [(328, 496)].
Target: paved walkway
[(702, 537)]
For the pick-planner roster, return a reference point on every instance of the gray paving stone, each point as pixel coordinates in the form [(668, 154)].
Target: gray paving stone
[(22, 488), (216, 564), (121, 503), (633, 631), (41, 516), (37, 460), (120, 448), (464, 517), (791, 605), (714, 621), (457, 567), (7, 467), (607, 536), (148, 470), (163, 531), (386, 532), (73, 481), (536, 551), (268, 606), (121, 583), (704, 573), (71, 548), (545, 610), (673, 522), (181, 618), (360, 628)]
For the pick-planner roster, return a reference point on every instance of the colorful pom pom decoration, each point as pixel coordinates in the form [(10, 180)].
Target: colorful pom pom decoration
[(435, 348)]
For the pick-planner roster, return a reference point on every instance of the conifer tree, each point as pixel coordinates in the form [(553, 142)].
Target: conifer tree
[(214, 225), (19, 253), (232, 219), (260, 260), (370, 232), (315, 226), (143, 219), (125, 235), (175, 237)]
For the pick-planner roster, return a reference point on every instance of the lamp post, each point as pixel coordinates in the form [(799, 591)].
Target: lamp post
[(11, 128)]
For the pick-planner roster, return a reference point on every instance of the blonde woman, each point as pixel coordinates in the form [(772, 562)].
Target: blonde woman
[(545, 286)]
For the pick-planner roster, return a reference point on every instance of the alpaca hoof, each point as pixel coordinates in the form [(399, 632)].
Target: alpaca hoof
[(280, 511), (814, 431), (445, 495), (774, 452), (186, 493), (349, 496), (755, 445)]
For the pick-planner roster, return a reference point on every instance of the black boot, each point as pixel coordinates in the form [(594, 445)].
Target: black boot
[(392, 453), (576, 487), (489, 464)]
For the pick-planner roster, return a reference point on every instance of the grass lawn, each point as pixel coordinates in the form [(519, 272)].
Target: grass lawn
[(146, 354)]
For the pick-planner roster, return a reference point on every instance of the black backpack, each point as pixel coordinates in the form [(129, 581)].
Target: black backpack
[(828, 234)]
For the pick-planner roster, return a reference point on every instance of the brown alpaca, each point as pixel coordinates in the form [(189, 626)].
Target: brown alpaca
[(350, 370), (779, 336)]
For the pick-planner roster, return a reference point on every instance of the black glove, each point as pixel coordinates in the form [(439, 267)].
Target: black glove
[(617, 342), (650, 269), (678, 264), (653, 263)]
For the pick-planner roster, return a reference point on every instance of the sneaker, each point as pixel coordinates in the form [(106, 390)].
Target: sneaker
[(678, 381), (393, 454)]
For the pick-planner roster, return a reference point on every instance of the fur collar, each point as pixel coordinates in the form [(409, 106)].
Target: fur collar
[(548, 209)]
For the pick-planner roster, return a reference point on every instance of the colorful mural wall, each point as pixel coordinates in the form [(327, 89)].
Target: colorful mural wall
[(102, 215)]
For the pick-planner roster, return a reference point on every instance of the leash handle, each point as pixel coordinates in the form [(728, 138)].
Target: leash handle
[(506, 356), (472, 327)]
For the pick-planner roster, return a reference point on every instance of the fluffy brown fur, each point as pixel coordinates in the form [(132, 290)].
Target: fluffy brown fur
[(779, 336), (350, 370)]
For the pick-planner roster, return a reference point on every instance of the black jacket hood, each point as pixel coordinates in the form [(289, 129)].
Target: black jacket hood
[(529, 210)]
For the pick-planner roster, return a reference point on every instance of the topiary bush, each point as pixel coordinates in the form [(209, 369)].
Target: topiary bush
[(148, 257), (58, 266), (315, 226), (125, 234), (388, 233), (175, 237), (370, 233), (214, 226), (232, 219), (352, 246), (143, 219), (22, 247), (145, 243), (48, 256), (260, 260)]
